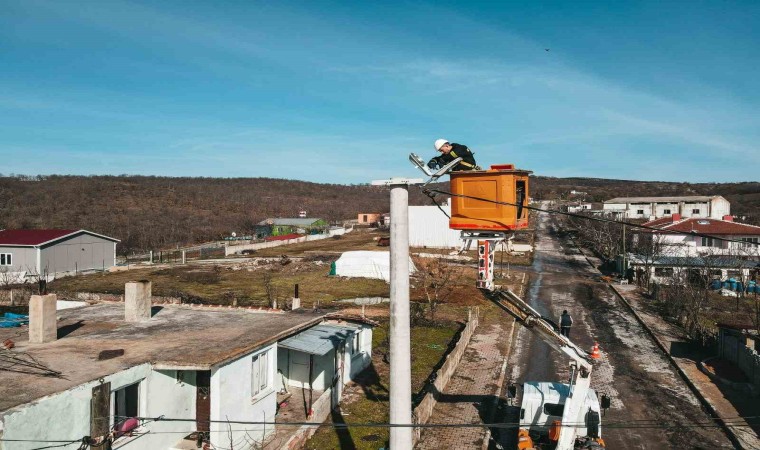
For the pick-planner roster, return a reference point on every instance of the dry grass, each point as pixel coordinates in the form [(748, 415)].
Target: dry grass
[(243, 283), (359, 239), (368, 402)]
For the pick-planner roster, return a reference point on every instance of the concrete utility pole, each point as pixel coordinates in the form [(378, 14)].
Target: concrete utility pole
[(400, 336)]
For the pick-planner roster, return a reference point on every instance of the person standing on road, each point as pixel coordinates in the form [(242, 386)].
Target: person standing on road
[(565, 322)]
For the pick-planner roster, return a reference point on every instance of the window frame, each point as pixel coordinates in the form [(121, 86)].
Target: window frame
[(260, 361), (114, 405), (696, 211), (356, 347), (640, 212), (6, 259), (666, 211)]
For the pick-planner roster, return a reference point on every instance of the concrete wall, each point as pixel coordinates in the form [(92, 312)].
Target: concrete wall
[(356, 362), (231, 400), (732, 346), (67, 414), (82, 252), (24, 259), (720, 207)]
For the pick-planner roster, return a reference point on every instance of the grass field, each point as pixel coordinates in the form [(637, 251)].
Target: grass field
[(222, 284), (370, 404)]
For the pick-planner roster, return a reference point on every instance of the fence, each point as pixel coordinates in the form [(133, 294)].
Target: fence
[(236, 249), (424, 410), (732, 346)]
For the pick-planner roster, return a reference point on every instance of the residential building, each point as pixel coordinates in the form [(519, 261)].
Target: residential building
[(199, 367), (368, 218), (667, 269), (51, 253), (678, 236), (282, 226), (651, 208)]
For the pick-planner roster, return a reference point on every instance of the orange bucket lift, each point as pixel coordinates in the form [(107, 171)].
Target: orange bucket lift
[(485, 206), (500, 183)]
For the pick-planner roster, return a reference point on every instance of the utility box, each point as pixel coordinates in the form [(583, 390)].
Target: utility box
[(501, 183)]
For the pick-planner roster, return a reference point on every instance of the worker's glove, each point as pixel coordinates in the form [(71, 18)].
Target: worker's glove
[(433, 164), (477, 168)]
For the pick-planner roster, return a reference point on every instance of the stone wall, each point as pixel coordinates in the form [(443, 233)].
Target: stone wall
[(15, 297), (424, 410)]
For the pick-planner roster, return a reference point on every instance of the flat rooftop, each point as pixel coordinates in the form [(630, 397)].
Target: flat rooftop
[(176, 337), (683, 198)]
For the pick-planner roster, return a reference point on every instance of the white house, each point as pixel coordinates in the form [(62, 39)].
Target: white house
[(184, 371), (650, 208), (54, 252), (678, 236)]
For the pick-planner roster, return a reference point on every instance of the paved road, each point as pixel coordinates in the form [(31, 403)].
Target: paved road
[(646, 391)]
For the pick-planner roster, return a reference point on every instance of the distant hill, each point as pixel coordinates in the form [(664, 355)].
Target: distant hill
[(160, 212)]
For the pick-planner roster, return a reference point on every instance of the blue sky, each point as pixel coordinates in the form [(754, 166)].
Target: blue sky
[(343, 91)]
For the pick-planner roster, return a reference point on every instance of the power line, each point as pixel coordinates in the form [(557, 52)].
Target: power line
[(633, 424), (581, 216)]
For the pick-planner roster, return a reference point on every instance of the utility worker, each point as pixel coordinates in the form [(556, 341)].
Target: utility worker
[(450, 152), (565, 322)]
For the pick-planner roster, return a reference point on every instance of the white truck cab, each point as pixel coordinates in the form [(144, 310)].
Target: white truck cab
[(543, 403)]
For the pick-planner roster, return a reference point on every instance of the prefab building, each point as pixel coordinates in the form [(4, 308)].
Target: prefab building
[(54, 252)]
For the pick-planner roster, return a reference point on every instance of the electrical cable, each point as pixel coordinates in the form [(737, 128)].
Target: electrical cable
[(634, 424), (581, 216)]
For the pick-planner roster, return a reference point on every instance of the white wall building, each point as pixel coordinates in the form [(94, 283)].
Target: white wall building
[(429, 227), (201, 366), (650, 208)]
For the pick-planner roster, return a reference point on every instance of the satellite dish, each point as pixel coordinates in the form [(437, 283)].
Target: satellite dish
[(234, 234)]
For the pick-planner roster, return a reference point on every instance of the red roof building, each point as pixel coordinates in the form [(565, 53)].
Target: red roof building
[(31, 237), (697, 236), (34, 253)]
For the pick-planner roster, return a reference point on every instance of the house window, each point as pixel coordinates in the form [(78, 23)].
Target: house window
[(640, 211), (710, 242), (750, 241), (260, 373), (125, 402), (364, 218), (695, 211), (6, 259), (666, 211)]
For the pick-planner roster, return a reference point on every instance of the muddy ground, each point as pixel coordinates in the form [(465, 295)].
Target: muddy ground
[(652, 408)]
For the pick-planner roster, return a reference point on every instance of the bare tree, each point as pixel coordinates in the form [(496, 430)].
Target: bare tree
[(435, 276)]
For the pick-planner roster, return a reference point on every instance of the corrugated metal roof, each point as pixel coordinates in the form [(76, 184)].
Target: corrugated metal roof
[(319, 340), (686, 198), (298, 222)]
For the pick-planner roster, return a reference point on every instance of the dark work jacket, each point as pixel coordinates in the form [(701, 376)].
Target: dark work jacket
[(457, 150), (565, 320)]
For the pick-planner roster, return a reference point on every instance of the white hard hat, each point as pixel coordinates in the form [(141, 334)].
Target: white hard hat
[(439, 143)]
